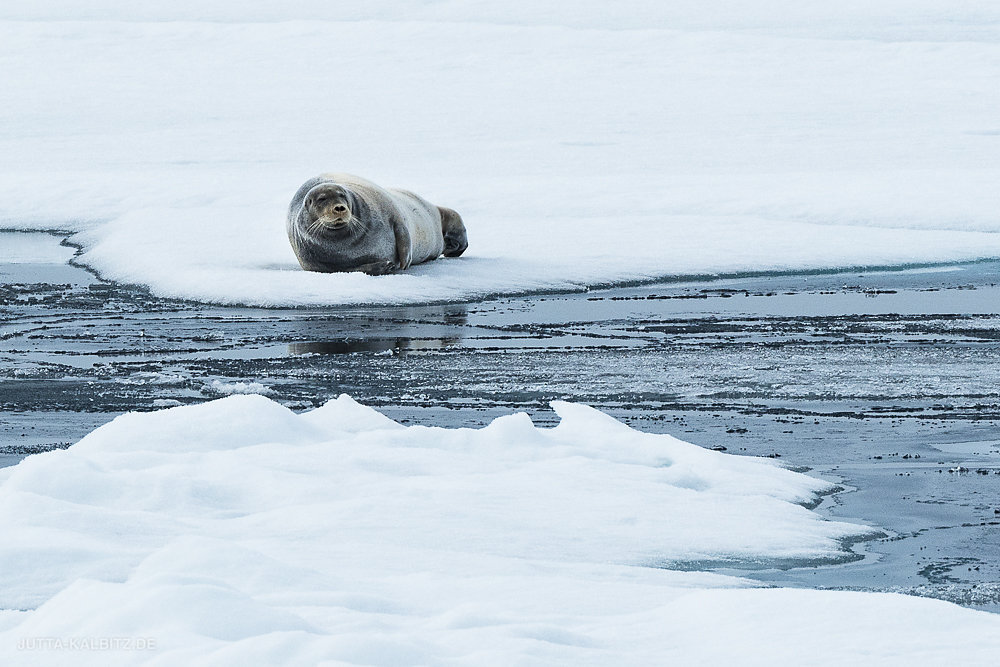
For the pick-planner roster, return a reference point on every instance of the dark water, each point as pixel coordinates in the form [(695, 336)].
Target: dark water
[(883, 381)]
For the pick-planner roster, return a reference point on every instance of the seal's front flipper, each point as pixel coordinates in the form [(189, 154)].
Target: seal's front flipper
[(377, 268), (404, 246), (453, 229)]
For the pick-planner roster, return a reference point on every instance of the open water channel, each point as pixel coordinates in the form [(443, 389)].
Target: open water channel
[(884, 381)]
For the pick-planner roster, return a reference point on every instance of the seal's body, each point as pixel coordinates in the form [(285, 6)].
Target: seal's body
[(339, 222)]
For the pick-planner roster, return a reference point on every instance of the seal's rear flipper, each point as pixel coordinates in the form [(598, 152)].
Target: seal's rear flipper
[(455, 238)]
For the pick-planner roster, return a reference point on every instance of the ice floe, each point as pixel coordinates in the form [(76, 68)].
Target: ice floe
[(584, 144), (238, 530)]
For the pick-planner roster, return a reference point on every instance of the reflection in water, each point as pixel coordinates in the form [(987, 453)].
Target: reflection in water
[(373, 345), (394, 330)]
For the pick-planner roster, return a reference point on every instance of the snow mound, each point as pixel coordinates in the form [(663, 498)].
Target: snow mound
[(238, 530)]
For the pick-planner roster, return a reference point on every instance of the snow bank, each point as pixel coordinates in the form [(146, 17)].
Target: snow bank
[(237, 531), (583, 145)]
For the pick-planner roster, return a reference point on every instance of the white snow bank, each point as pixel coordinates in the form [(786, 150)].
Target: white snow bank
[(237, 531), (585, 143)]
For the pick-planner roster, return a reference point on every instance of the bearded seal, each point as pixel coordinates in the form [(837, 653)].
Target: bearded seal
[(340, 222)]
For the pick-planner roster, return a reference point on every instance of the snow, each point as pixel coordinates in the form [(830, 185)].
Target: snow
[(237, 532), (584, 145), (228, 388)]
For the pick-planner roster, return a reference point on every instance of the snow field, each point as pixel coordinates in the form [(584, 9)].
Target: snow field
[(582, 147)]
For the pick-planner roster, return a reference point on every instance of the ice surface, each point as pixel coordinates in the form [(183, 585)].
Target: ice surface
[(32, 249), (237, 531), (228, 388), (583, 144)]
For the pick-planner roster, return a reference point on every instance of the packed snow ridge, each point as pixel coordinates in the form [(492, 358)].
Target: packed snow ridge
[(239, 532), (583, 144)]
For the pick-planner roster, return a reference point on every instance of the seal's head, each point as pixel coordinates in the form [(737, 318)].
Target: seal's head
[(329, 208)]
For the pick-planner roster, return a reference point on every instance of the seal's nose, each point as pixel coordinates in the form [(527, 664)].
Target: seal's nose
[(340, 208)]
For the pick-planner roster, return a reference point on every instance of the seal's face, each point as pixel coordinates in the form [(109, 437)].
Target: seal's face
[(329, 207)]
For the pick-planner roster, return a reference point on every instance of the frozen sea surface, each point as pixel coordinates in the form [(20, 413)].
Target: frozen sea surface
[(583, 147)]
